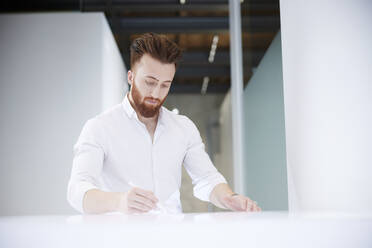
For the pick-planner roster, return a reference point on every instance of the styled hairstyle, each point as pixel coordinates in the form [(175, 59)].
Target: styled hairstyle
[(157, 46)]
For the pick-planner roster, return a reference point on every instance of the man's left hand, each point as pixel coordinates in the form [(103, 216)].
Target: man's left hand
[(240, 203)]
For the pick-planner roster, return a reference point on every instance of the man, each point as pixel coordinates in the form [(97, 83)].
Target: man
[(129, 158)]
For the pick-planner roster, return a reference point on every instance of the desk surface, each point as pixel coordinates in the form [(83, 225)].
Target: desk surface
[(223, 229)]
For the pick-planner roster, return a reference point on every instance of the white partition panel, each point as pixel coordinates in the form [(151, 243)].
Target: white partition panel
[(327, 71)]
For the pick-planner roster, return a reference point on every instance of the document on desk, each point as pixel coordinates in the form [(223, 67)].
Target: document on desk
[(169, 206)]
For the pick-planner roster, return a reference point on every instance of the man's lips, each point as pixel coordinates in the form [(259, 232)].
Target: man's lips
[(152, 101)]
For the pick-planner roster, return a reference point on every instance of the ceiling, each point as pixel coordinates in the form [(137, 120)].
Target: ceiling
[(192, 24)]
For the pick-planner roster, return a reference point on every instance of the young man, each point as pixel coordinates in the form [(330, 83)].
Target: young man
[(130, 157)]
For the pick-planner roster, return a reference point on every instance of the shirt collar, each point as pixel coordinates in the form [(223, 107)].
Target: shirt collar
[(128, 107), (132, 113)]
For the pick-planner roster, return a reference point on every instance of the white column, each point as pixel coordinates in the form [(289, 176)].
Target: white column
[(236, 92), (327, 72)]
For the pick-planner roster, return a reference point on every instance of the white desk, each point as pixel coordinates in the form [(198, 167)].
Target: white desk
[(226, 229)]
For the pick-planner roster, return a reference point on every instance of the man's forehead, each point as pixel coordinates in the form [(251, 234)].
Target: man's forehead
[(148, 60), (151, 68)]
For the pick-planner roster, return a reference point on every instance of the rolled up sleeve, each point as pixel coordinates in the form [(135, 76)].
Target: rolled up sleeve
[(87, 164), (199, 166)]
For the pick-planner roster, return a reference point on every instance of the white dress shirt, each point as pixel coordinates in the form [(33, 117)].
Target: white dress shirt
[(115, 151)]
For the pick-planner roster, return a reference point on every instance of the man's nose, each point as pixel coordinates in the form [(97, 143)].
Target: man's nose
[(156, 93)]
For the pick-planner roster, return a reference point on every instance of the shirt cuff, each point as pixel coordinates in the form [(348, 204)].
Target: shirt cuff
[(203, 188), (76, 194)]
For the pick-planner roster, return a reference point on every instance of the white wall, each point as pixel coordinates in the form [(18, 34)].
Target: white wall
[(53, 70), (264, 148), (327, 62)]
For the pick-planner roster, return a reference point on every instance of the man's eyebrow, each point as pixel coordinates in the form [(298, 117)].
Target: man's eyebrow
[(167, 81), (148, 76)]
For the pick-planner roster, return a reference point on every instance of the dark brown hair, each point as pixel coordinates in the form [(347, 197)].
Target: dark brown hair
[(157, 46)]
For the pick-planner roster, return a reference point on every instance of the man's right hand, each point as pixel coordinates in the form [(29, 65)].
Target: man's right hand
[(137, 200)]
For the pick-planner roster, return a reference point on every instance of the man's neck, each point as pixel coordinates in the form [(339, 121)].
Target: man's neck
[(147, 121)]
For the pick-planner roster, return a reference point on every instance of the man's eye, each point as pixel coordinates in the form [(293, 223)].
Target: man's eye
[(165, 86), (150, 83)]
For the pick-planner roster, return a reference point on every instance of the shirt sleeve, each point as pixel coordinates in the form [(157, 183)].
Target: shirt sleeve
[(199, 166), (87, 163)]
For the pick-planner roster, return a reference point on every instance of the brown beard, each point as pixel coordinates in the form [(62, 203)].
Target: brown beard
[(141, 106)]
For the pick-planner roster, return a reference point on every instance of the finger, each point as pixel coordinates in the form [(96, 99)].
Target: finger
[(248, 207), (139, 205), (134, 210), (145, 201), (243, 204), (232, 204), (251, 205), (239, 203), (148, 194), (256, 207)]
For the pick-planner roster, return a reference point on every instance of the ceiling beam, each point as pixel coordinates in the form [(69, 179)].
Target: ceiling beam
[(38, 6), (130, 25), (221, 58), (200, 58), (203, 71), (206, 71), (112, 7), (150, 6)]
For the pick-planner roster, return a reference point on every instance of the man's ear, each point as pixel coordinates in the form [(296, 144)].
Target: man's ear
[(130, 77)]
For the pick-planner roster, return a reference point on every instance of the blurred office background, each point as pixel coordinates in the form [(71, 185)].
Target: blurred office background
[(62, 62)]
